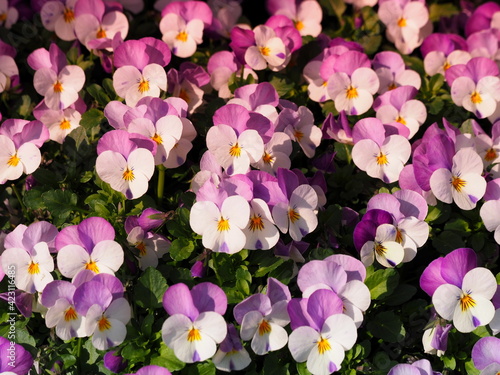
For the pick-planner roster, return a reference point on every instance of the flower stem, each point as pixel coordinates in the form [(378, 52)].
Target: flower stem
[(161, 183), (20, 199)]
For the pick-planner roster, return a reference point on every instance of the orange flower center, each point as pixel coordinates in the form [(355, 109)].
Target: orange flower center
[(13, 160), (382, 159), (70, 314), (128, 175), (68, 15), (33, 268), (256, 223), (157, 138), (65, 125), (101, 33), (223, 225), (299, 25), (293, 215), (476, 98), (235, 150), (323, 345), (91, 265), (264, 327), (265, 51), (457, 183), (466, 302), (402, 22), (58, 87), (103, 324), (194, 335), (182, 36), (491, 155), (142, 248), (351, 93), (143, 86)]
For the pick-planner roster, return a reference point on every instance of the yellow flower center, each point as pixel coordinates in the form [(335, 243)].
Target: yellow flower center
[(182, 36), (235, 150), (402, 22), (446, 66), (256, 223), (223, 225), (379, 249), (103, 324), (58, 87), (399, 236), (142, 248), (466, 302), (382, 159), (33, 268), (143, 86), (299, 25), (323, 345), (70, 314), (293, 215), (157, 138), (264, 327), (13, 160), (457, 183), (401, 120), (65, 125), (351, 93), (101, 33), (267, 158), (184, 96), (91, 265), (194, 335), (298, 135), (68, 15), (265, 51), (128, 175), (491, 155), (476, 98)]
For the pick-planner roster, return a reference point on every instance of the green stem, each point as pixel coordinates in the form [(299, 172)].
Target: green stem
[(79, 355), (20, 199), (161, 183)]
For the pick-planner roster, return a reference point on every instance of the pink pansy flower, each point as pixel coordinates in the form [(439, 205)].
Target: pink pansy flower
[(8, 71), (475, 86), (90, 246), (485, 16), (485, 43), (188, 83), (490, 217), (182, 26), (392, 73), (226, 14), (276, 154), (140, 70), (125, 166), (20, 141), (60, 122), (59, 16), (487, 147), (399, 108), (221, 229), (58, 82), (441, 51), (261, 233), (463, 183), (96, 26), (306, 15), (261, 98), (406, 23), (231, 356), (268, 50), (8, 14), (379, 155), (384, 248)]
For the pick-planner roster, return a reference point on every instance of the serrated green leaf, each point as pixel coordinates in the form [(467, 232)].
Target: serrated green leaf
[(382, 282), (181, 248), (33, 199), (98, 94), (149, 290), (167, 359), (134, 352), (60, 204), (92, 118)]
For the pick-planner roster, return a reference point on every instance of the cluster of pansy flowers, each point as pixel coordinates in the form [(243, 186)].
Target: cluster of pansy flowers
[(246, 193)]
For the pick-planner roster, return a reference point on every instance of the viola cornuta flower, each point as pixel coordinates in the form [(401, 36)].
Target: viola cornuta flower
[(485, 355), (231, 356), (59, 16)]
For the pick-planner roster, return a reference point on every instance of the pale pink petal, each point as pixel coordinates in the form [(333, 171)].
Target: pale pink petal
[(108, 255), (30, 157), (440, 183), (71, 259), (124, 78)]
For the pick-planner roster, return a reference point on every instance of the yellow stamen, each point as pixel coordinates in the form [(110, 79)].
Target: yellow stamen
[(476, 98), (143, 86), (351, 93), (68, 15), (382, 159), (157, 138), (323, 346), (401, 120), (264, 327), (128, 175), (457, 183), (392, 86), (467, 302), (103, 324), (182, 36), (235, 150), (491, 155), (58, 87), (298, 135), (184, 96), (13, 160), (293, 215), (223, 225), (142, 248), (70, 314), (265, 51), (446, 66), (402, 22), (91, 265), (267, 158), (33, 268), (101, 33), (399, 236), (194, 335), (65, 125), (299, 25), (256, 223), (379, 249)]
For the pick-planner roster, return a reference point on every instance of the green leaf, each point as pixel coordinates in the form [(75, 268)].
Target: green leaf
[(107, 84), (147, 325), (60, 204), (334, 7), (435, 106), (387, 326), (302, 369), (93, 354), (403, 293), (92, 118), (436, 82), (268, 265), (439, 11), (167, 359), (207, 368), (382, 282), (79, 135), (149, 290), (181, 248), (134, 352), (449, 362), (282, 85), (33, 199), (98, 94)]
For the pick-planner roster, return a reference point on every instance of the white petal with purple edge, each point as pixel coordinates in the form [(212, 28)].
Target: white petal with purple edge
[(468, 319), (275, 339), (440, 183), (445, 300), (108, 255)]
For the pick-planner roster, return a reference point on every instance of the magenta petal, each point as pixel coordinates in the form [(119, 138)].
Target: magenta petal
[(150, 219), (94, 230), (23, 359), (112, 283), (131, 52), (93, 7), (369, 128), (485, 352), (233, 115), (277, 291), (57, 289), (34, 132), (431, 278), (209, 297), (69, 236), (456, 264), (297, 310), (287, 181), (91, 293), (114, 362), (178, 300), (354, 269), (39, 58), (350, 61), (412, 204), (322, 304), (321, 272), (118, 141), (57, 58), (256, 302)]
